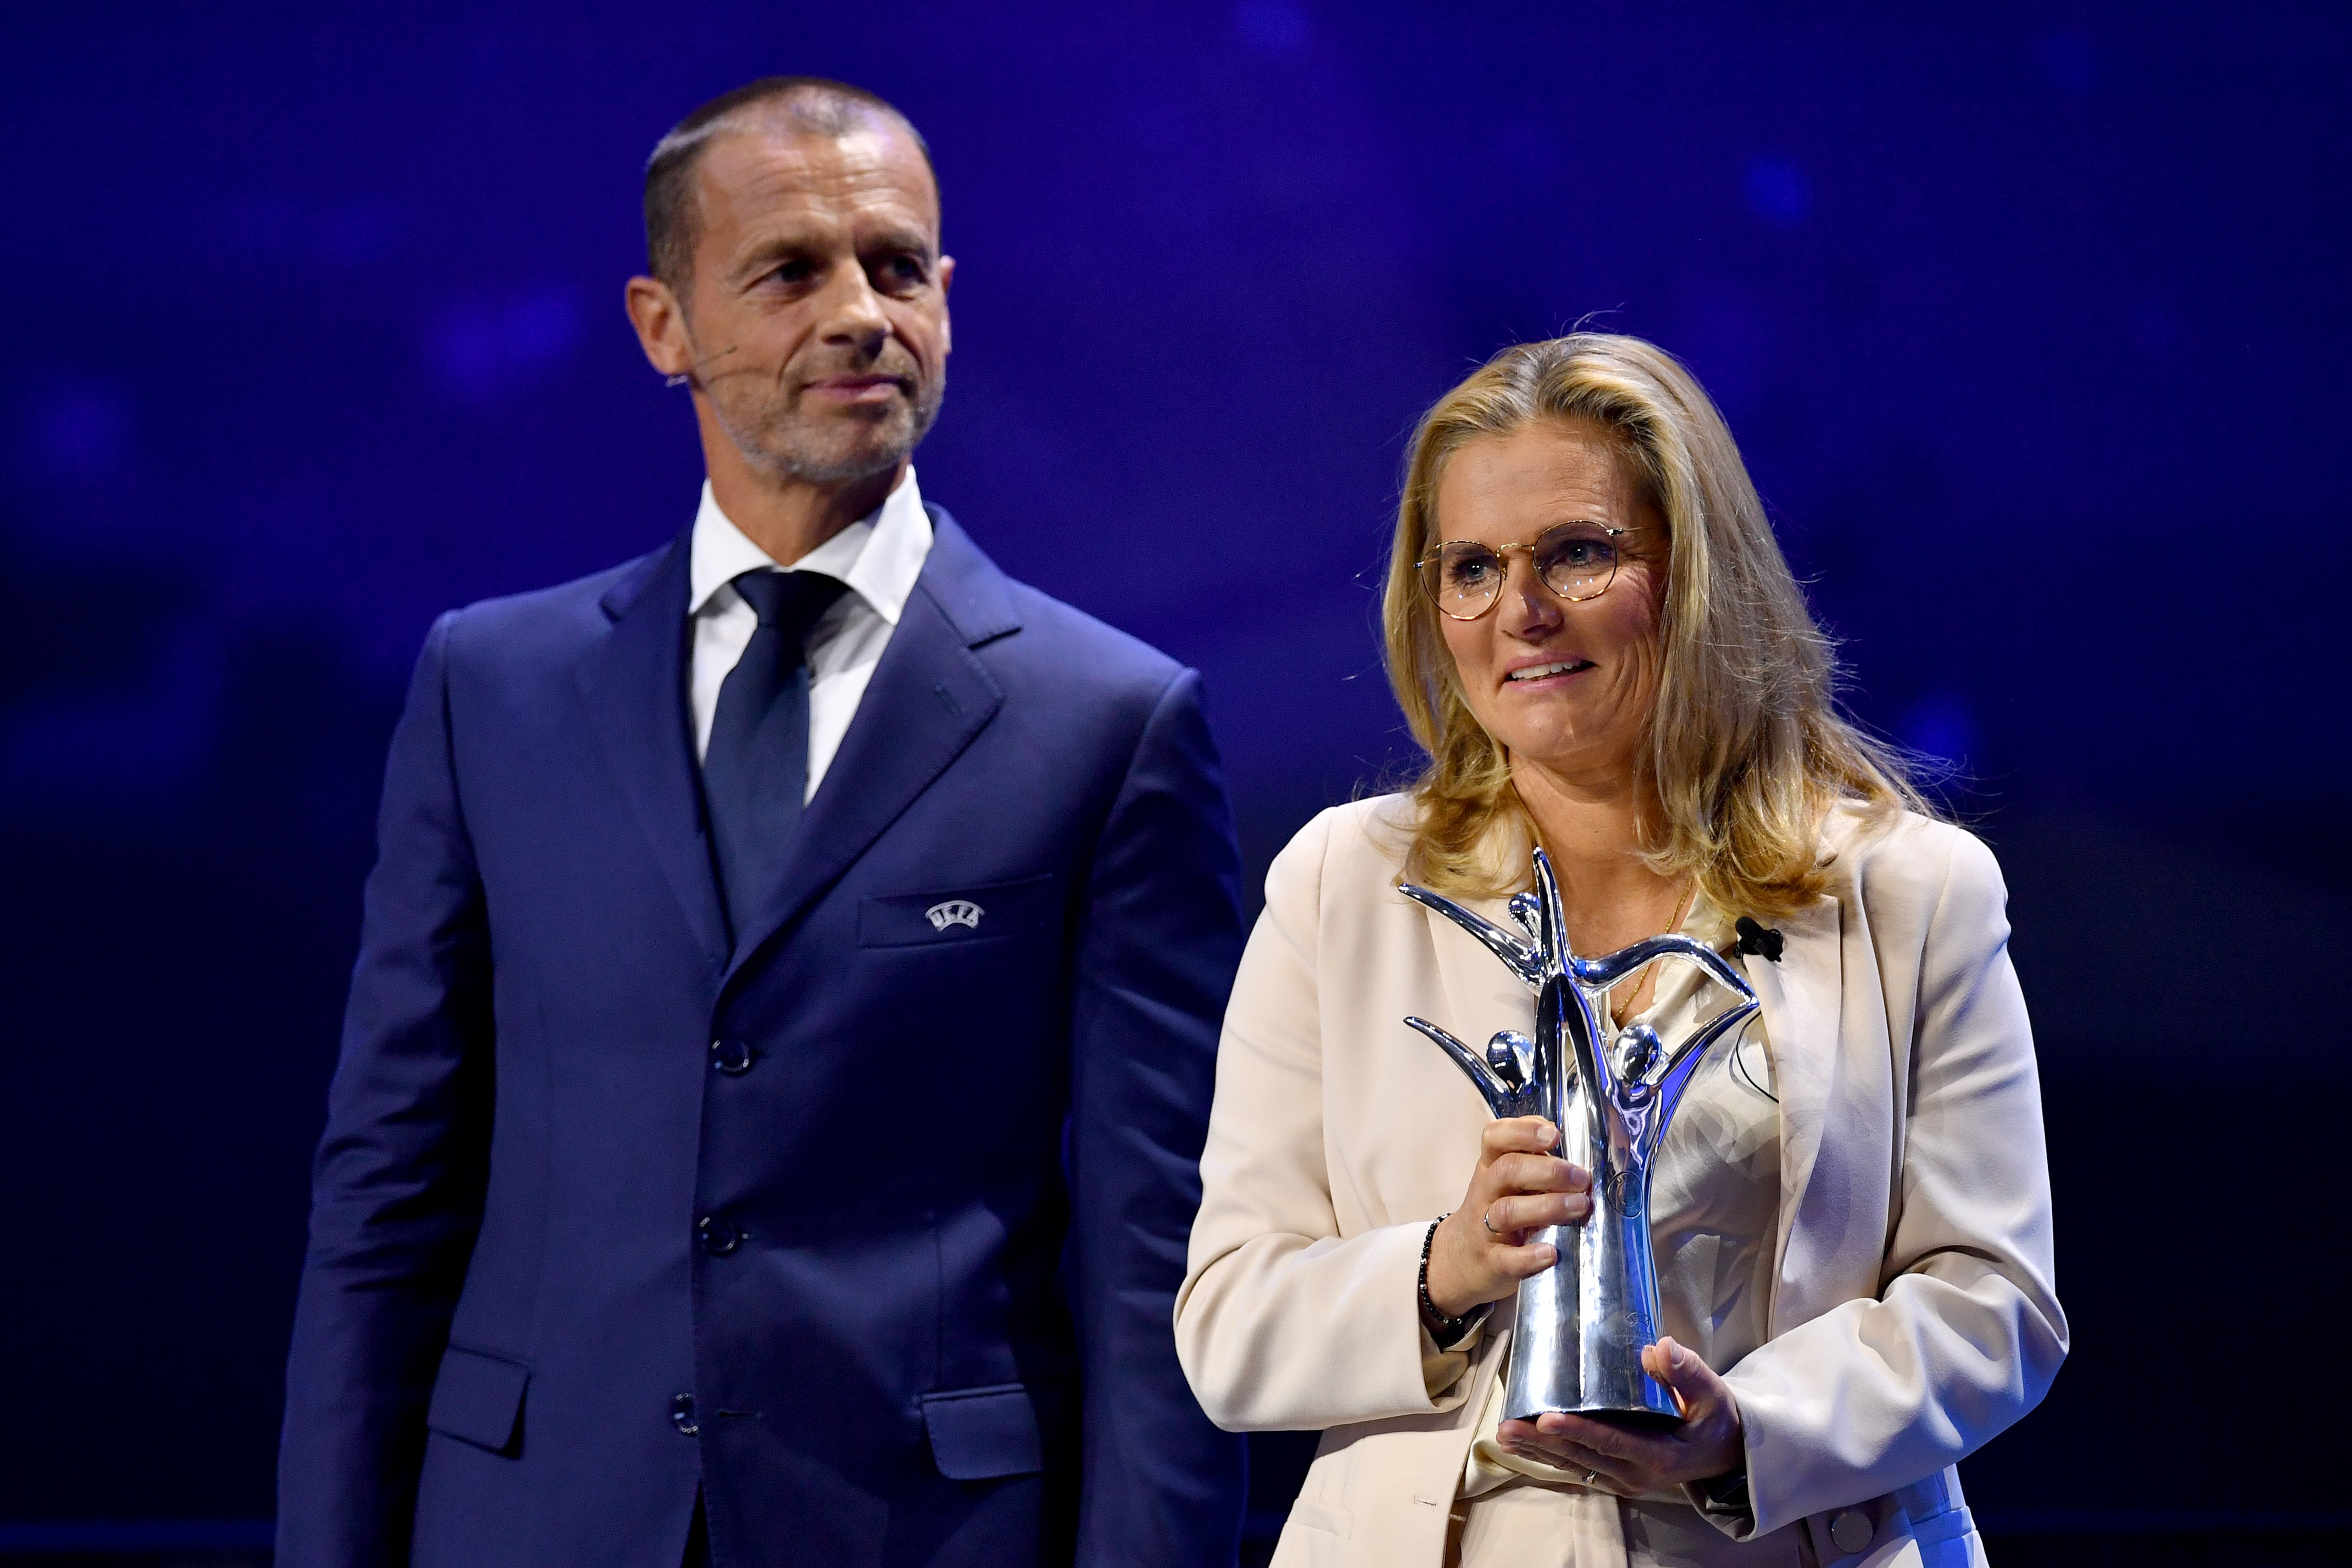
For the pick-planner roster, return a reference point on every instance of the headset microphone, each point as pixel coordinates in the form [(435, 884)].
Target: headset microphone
[(682, 377)]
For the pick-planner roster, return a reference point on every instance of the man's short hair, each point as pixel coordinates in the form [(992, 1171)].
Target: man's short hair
[(812, 103)]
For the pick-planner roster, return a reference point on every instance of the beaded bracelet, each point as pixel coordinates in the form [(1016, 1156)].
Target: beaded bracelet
[(1443, 1330)]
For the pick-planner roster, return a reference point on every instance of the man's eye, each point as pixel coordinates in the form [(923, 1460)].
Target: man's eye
[(794, 271), (905, 270)]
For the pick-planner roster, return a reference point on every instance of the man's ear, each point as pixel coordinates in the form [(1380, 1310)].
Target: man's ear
[(660, 321), (947, 275)]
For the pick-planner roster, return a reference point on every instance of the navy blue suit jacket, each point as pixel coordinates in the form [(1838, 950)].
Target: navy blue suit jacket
[(898, 1204)]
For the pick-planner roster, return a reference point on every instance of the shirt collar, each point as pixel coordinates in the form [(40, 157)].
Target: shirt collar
[(878, 556)]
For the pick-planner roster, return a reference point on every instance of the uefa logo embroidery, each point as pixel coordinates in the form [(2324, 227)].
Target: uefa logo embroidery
[(954, 912)]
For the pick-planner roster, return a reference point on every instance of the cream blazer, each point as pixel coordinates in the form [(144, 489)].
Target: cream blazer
[(1913, 1313)]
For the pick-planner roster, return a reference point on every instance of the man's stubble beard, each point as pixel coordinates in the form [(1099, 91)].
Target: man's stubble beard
[(785, 446)]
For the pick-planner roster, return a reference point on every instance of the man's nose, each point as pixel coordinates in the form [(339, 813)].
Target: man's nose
[(854, 312)]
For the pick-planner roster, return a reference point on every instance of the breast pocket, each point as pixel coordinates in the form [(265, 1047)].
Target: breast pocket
[(955, 915)]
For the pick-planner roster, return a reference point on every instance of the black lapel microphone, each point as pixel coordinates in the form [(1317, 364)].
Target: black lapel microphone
[(1763, 940)]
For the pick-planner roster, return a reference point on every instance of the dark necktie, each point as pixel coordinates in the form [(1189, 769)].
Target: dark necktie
[(755, 771)]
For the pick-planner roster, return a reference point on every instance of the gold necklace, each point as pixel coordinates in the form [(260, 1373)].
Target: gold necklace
[(1647, 984)]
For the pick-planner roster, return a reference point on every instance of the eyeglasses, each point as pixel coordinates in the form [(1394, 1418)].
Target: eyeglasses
[(1574, 560)]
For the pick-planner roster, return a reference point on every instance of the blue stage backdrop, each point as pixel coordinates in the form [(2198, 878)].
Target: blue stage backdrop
[(2033, 321)]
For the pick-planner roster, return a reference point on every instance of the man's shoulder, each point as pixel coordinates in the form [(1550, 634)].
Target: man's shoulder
[(1024, 628), (551, 621), (1096, 648)]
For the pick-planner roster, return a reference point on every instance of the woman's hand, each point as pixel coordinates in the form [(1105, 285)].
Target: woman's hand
[(1706, 1444), (1480, 1253)]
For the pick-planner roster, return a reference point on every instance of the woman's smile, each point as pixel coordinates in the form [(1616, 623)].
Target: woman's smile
[(1546, 674)]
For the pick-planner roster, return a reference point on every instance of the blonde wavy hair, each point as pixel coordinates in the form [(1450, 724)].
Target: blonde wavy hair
[(1746, 752)]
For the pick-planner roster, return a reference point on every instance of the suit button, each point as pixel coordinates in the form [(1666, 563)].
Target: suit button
[(681, 1413), (1851, 1529), (732, 1057), (718, 1235)]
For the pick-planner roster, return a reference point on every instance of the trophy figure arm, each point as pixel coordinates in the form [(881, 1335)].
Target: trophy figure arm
[(1518, 957), (1684, 1061), (1602, 973), (1500, 1098)]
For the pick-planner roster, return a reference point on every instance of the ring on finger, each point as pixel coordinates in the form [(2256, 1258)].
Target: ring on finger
[(1487, 1219)]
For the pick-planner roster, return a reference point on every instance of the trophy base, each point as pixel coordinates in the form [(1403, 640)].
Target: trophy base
[(1637, 1418)]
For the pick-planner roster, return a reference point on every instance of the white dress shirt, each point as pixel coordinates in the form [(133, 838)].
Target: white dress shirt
[(879, 557)]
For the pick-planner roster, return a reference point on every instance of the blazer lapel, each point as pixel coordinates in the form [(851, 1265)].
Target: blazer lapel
[(633, 683), (931, 695), (1799, 998)]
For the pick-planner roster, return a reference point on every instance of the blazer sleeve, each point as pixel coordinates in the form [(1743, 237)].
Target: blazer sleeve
[(1966, 1332), (1284, 1323), (397, 1185), (1162, 933)]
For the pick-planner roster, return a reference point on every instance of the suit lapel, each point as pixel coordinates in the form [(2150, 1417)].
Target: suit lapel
[(931, 695), (633, 683), (1799, 998)]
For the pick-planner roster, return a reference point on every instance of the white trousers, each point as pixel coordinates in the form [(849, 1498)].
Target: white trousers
[(1526, 1525)]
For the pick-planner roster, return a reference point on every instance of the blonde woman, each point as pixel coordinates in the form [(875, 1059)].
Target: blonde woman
[(1600, 648)]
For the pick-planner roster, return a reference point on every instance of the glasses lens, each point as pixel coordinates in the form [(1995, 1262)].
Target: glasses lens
[(1577, 560), (1462, 579)]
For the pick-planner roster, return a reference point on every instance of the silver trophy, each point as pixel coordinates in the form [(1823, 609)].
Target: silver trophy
[(1582, 1324)]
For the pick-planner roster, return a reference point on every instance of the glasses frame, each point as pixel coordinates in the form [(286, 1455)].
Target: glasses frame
[(1503, 553)]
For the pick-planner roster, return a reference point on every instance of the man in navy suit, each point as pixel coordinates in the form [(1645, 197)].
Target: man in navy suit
[(768, 1115)]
